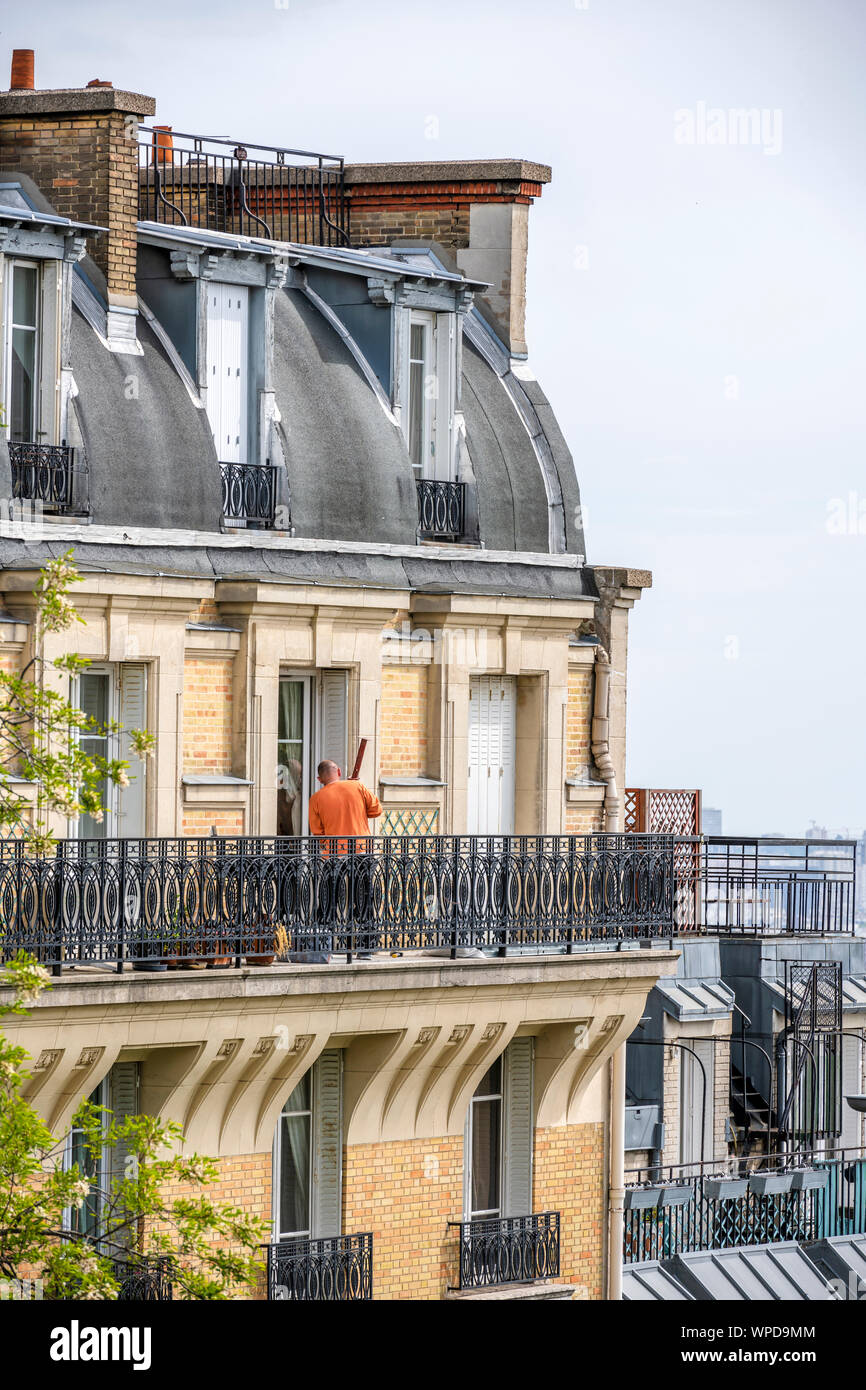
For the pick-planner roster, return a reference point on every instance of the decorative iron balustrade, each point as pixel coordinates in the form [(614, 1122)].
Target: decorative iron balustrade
[(42, 473), (441, 508), (759, 886), (337, 1269), (198, 901), (242, 188), (144, 1279), (721, 1215), (249, 493), (508, 1250)]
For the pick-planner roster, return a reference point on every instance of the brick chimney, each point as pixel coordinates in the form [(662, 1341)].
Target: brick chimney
[(79, 145), (478, 210)]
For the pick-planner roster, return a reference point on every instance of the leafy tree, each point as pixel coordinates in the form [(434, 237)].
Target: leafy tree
[(41, 730), (210, 1247)]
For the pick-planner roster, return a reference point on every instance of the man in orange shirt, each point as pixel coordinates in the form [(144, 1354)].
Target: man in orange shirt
[(341, 807), (341, 812)]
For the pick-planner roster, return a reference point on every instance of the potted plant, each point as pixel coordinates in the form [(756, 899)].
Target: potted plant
[(148, 944), (677, 1194)]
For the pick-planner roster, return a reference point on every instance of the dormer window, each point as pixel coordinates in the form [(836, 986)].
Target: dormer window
[(21, 376)]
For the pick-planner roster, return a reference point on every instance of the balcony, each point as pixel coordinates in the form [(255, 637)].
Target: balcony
[(753, 886), (508, 1250), (338, 1269), (241, 188), (441, 509), (42, 473), (144, 1279), (804, 1197), (192, 902), (249, 494)]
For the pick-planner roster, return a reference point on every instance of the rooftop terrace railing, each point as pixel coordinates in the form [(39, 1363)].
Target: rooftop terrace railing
[(803, 1197), (241, 188), (157, 903), (755, 886)]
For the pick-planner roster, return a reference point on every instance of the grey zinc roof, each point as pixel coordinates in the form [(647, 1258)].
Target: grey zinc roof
[(348, 468), (752, 1274), (684, 999), (651, 1282), (149, 450)]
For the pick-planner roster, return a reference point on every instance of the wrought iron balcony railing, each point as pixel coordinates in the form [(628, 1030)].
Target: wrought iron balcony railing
[(144, 1279), (193, 901), (441, 508), (241, 188), (754, 886), (508, 1250), (337, 1269), (249, 493), (802, 1197), (42, 473)]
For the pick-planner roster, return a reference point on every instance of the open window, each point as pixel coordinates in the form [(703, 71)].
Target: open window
[(498, 1138), (312, 724), (115, 692), (307, 1158)]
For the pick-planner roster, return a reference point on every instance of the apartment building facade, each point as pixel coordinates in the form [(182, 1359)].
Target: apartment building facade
[(282, 412)]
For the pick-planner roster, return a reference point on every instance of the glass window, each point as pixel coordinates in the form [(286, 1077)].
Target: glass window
[(292, 752), (485, 1147), (84, 1220), (94, 699), (417, 412), (294, 1162), (22, 389)]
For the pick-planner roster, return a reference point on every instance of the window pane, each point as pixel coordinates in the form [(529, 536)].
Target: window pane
[(491, 1082), (24, 296), (23, 385), (300, 1097), (93, 700), (416, 415), (486, 1128), (294, 1175), (290, 756)]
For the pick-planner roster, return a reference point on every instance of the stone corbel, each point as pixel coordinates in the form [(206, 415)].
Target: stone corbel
[(185, 264), (74, 247), (277, 273), (384, 292), (567, 1057)]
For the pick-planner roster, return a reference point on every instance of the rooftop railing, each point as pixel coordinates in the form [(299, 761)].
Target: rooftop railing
[(760, 1201), (756, 886), (441, 507), (241, 188), (249, 494), (193, 902)]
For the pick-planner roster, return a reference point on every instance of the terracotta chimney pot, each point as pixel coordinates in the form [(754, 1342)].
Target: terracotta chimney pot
[(23, 67)]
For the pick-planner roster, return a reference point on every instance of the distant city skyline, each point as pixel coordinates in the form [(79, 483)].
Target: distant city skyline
[(696, 301)]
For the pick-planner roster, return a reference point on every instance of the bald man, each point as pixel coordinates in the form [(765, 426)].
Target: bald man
[(342, 807), (342, 812)]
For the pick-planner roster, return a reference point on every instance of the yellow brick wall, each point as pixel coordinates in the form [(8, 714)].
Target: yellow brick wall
[(404, 721), (406, 1192), (244, 1181), (198, 821), (207, 714), (580, 820), (568, 1177)]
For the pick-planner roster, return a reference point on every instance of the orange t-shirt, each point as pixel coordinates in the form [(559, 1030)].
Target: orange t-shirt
[(343, 808)]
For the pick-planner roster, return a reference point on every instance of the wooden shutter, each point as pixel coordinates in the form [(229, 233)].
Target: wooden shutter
[(492, 751), (228, 369), (326, 1202), (518, 1129), (122, 1101), (333, 721), (131, 807)]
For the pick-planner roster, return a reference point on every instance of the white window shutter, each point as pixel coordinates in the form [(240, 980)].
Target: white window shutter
[(326, 1217), (334, 712), (851, 1086), (518, 1129), (131, 806)]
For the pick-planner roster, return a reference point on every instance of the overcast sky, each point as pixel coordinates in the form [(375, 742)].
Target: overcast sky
[(696, 309)]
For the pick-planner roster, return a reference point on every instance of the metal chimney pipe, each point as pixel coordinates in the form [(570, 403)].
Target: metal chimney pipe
[(23, 68)]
